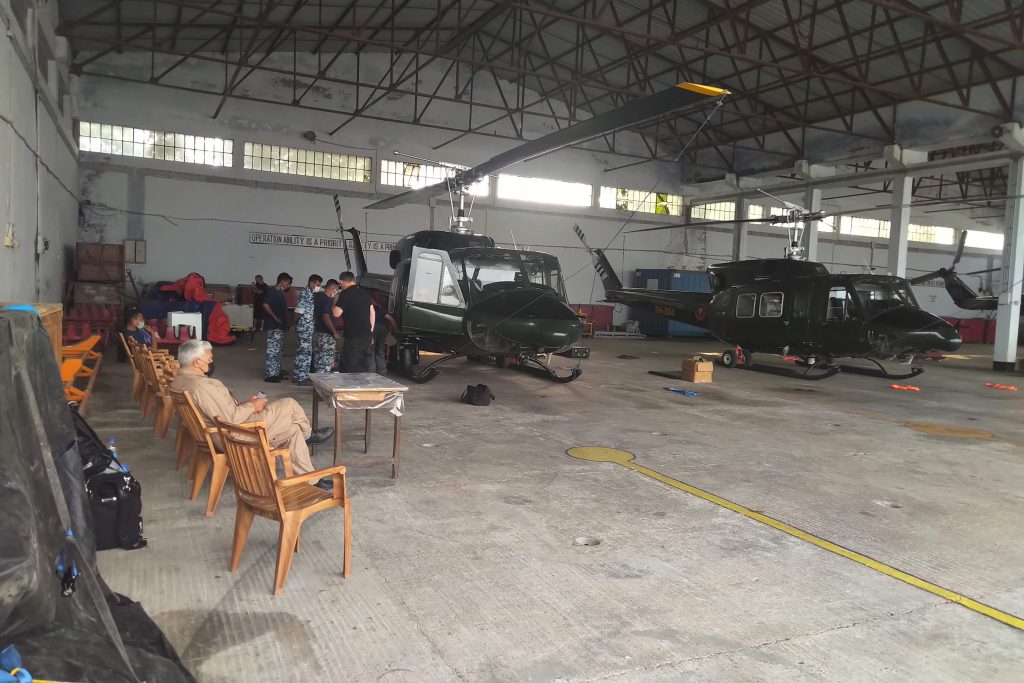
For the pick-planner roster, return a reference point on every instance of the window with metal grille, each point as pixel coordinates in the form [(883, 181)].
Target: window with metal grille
[(718, 211), (306, 162), (641, 201), (864, 227), (984, 240), (415, 176), (544, 191), (105, 138), (932, 234)]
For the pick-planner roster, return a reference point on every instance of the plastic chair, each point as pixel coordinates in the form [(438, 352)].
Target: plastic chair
[(289, 501)]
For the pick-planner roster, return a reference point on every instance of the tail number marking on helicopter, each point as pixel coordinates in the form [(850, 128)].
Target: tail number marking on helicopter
[(665, 310)]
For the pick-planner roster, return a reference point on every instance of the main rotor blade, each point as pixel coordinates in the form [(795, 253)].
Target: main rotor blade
[(981, 272), (679, 96), (701, 224)]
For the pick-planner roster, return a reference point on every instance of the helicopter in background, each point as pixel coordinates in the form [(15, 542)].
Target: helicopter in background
[(456, 293), (795, 308)]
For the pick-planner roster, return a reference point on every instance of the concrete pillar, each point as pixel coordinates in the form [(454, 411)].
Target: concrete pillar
[(742, 231), (902, 188), (1008, 318), (812, 202)]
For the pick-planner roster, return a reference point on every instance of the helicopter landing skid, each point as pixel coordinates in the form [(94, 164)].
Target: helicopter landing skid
[(881, 372)]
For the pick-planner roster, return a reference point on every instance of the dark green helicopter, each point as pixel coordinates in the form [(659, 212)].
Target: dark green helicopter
[(456, 293), (797, 309)]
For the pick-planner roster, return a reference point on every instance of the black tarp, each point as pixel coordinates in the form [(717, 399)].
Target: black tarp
[(93, 634)]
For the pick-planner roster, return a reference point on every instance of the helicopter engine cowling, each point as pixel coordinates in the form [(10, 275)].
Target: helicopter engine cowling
[(533, 318)]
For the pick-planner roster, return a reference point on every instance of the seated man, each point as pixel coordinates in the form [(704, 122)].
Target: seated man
[(286, 422), (137, 330)]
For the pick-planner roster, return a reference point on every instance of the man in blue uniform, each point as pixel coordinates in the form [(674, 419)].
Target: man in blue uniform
[(326, 335), (275, 314), (304, 331)]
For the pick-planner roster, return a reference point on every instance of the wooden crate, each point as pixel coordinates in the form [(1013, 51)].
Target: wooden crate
[(697, 370), (53, 320), (96, 293), (98, 262)]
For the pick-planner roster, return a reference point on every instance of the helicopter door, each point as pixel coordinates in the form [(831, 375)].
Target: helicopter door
[(434, 302), (842, 322), (797, 320)]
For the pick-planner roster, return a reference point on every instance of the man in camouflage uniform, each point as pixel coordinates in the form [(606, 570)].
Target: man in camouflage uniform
[(275, 310), (304, 331), (326, 335)]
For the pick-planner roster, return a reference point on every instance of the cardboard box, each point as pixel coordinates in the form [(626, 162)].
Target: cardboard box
[(697, 370)]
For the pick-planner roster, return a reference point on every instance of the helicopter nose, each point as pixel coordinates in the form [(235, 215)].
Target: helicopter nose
[(529, 318), (917, 330)]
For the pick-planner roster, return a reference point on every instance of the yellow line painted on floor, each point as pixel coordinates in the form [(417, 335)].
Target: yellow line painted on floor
[(598, 454)]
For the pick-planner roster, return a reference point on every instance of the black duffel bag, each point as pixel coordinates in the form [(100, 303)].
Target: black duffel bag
[(116, 501), (96, 457), (479, 395)]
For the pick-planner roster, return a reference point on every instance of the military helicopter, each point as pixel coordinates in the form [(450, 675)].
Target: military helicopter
[(455, 292), (796, 308)]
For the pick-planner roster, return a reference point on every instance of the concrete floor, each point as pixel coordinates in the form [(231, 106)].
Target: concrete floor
[(465, 568)]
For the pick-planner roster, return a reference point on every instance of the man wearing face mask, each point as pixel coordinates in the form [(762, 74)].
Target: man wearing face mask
[(286, 422), (138, 331), (275, 312), (304, 330)]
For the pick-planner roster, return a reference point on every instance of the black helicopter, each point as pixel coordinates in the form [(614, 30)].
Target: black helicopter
[(797, 309), (455, 292)]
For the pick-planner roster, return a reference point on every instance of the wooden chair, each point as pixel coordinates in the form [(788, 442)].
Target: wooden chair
[(289, 501), (201, 448), (137, 380), (157, 372)]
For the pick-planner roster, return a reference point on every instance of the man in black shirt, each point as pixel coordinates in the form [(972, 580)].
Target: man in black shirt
[(259, 290), (358, 316), (325, 334), (275, 312)]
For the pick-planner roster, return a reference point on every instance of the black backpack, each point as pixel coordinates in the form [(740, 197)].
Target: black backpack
[(116, 501), (96, 457), (479, 395)]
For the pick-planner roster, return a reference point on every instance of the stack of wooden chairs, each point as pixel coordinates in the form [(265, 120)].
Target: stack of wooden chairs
[(152, 372)]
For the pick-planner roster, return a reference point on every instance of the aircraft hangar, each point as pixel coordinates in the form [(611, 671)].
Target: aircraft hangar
[(555, 340)]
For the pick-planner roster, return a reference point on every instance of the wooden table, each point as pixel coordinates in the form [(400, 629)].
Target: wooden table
[(365, 391)]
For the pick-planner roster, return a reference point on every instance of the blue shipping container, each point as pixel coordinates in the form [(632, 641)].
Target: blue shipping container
[(688, 281), (650, 278)]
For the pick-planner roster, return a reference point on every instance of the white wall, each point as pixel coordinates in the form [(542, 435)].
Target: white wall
[(199, 218), (38, 175)]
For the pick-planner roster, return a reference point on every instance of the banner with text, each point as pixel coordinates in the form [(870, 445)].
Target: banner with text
[(275, 239)]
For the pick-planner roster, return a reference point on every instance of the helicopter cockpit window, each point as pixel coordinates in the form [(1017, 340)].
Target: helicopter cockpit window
[(433, 283), (771, 305), (481, 270), (840, 305), (879, 297), (745, 305)]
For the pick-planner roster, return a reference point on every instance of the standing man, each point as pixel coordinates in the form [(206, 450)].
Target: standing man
[(275, 311), (304, 331), (358, 316), (259, 290), (326, 334)]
